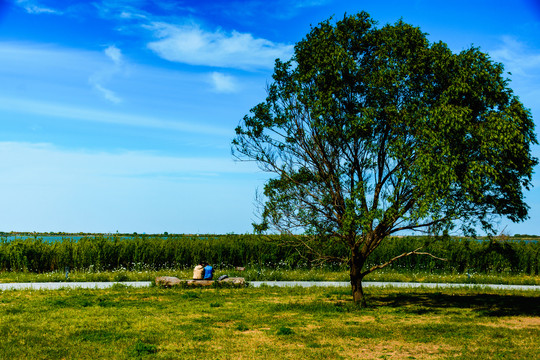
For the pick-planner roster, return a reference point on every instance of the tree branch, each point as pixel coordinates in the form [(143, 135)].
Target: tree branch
[(414, 252)]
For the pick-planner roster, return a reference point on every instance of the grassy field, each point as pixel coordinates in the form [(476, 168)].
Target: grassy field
[(269, 323)]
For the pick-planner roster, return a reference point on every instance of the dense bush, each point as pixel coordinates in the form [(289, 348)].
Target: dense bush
[(463, 255), (139, 252), (157, 252)]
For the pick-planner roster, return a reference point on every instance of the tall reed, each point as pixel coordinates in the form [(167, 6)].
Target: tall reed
[(101, 252)]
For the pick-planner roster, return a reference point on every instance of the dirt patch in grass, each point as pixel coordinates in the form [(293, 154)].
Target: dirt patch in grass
[(396, 350), (518, 323), (361, 320), (150, 298), (311, 327)]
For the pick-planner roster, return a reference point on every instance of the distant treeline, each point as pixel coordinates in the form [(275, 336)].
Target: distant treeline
[(138, 252)]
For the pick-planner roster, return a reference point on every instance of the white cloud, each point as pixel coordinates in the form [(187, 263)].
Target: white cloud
[(115, 54), (75, 190), (517, 57), (99, 78), (59, 165), (223, 83), (523, 62), (52, 67), (51, 84), (108, 94), (192, 45), (127, 15), (86, 114), (32, 7), (309, 3)]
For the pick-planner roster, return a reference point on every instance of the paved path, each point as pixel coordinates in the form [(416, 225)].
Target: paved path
[(104, 285), (70, 285), (391, 284)]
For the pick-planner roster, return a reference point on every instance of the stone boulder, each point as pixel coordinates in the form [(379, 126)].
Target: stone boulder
[(169, 281)]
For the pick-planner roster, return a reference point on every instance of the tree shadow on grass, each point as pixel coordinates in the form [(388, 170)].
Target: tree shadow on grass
[(486, 304)]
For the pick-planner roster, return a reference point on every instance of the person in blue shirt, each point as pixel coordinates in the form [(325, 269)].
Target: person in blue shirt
[(208, 272)]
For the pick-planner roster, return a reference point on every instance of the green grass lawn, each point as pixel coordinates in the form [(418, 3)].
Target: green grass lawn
[(269, 323)]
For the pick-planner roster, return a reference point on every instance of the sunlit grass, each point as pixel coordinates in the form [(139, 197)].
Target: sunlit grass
[(268, 323)]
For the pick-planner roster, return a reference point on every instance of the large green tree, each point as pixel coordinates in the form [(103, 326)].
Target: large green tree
[(372, 131)]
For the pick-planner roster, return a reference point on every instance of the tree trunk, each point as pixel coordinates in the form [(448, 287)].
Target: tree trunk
[(357, 262)]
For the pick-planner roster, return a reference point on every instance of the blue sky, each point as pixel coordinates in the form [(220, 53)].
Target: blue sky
[(118, 115)]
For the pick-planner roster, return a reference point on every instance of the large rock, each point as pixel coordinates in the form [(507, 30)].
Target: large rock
[(169, 281), (235, 280)]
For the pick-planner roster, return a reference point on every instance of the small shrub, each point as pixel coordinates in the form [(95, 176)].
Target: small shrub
[(104, 302), (141, 348), (190, 295), (13, 311), (119, 287), (205, 337), (285, 331), (242, 327), (121, 277)]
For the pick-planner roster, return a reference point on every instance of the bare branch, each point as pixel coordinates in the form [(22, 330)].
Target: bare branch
[(414, 252)]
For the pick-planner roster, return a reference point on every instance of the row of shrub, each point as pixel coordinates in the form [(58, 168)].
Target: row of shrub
[(100, 253), (462, 255)]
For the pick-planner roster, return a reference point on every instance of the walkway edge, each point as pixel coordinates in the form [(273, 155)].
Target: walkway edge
[(366, 284), (393, 284), (71, 285)]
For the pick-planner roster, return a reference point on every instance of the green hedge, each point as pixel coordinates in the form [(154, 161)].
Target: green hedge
[(462, 255), (184, 251), (142, 252)]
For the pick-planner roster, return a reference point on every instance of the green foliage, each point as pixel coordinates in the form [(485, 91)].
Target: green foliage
[(105, 253), (262, 258), (463, 255)]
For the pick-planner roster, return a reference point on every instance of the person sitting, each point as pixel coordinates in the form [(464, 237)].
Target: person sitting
[(198, 272), (208, 272)]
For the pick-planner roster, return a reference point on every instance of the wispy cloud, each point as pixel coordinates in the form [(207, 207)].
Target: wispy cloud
[(114, 54), (179, 37), (86, 114), (107, 94), (54, 82), (24, 159), (517, 57), (310, 3), (33, 7), (99, 78), (79, 190), (251, 11), (223, 83), (190, 44)]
